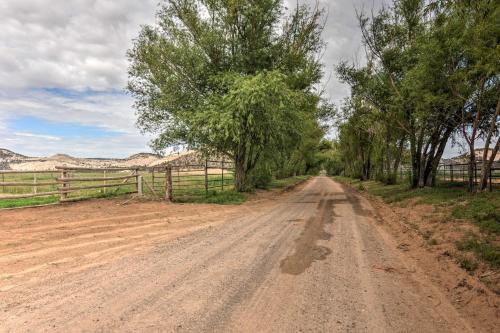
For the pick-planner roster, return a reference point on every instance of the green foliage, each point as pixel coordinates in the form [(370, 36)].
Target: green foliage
[(262, 176), (330, 158), (286, 182), (234, 78), (432, 73)]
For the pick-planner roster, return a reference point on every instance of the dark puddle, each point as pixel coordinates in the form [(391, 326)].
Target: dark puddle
[(306, 249)]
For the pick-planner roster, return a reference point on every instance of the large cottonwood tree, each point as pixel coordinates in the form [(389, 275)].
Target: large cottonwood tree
[(233, 77)]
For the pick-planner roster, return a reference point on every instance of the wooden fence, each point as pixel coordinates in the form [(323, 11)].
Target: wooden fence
[(459, 172), (69, 183), (27, 184), (83, 181), (177, 181)]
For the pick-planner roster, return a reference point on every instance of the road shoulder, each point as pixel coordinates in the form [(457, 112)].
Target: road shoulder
[(475, 302)]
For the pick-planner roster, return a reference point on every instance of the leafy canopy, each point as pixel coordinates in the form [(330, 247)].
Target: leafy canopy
[(236, 77)]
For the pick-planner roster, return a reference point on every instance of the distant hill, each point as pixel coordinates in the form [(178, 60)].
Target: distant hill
[(143, 155), (62, 158), (6, 154), (10, 160)]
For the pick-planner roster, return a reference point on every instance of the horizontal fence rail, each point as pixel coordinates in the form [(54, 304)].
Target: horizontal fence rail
[(459, 173), (27, 184), (166, 182)]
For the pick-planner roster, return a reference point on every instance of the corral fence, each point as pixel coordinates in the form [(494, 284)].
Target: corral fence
[(459, 173), (169, 182), (179, 181)]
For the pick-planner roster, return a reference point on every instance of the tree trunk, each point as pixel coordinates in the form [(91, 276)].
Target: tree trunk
[(488, 162), (399, 154), (433, 161), (239, 176), (486, 167), (471, 166), (421, 174), (415, 161)]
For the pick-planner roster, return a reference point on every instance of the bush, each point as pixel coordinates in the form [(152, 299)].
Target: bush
[(261, 177)]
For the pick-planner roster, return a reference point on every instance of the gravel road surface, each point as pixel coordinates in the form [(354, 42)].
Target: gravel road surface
[(309, 260)]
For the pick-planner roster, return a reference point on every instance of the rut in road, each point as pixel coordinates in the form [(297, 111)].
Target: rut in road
[(307, 261)]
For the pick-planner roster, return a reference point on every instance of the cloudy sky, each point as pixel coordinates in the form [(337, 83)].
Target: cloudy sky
[(63, 71)]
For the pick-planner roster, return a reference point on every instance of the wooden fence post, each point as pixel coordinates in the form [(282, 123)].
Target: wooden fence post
[(475, 173), (63, 193), (168, 184), (136, 174), (105, 183), (491, 171), (222, 168), (139, 185), (451, 172), (34, 184), (206, 176)]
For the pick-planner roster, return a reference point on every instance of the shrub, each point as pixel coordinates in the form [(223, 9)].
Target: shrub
[(262, 176)]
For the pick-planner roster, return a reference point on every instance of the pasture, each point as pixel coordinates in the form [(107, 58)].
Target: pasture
[(179, 183)]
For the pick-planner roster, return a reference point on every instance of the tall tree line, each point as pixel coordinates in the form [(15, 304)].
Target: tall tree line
[(432, 75)]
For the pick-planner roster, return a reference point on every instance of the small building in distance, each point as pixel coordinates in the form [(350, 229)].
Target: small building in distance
[(464, 158)]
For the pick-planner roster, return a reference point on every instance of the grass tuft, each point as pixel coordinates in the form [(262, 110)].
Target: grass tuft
[(485, 251), (468, 264)]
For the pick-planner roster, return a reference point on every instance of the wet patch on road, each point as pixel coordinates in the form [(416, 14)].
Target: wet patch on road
[(306, 249), (355, 202)]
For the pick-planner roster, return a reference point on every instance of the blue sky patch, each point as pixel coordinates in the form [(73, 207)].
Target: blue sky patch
[(60, 129), (78, 94)]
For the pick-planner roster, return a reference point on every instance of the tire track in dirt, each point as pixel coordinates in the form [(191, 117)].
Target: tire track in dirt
[(41, 245)]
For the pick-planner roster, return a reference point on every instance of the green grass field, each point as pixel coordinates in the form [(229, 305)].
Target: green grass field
[(12, 203)]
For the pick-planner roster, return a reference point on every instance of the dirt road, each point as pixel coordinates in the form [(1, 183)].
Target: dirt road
[(312, 259)]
